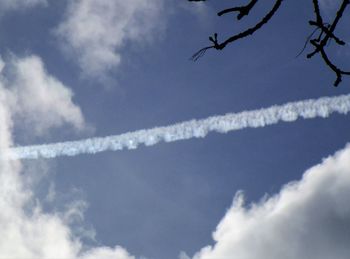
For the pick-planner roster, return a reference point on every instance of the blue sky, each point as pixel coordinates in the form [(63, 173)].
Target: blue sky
[(83, 68)]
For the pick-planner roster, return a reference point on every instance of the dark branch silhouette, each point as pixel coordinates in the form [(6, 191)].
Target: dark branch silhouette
[(326, 32), (242, 10), (325, 36)]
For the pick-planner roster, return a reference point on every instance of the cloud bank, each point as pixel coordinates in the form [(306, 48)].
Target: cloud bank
[(96, 32), (289, 112), (27, 231), (308, 219)]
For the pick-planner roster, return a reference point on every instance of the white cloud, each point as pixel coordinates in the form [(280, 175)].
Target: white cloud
[(37, 98), (107, 253), (307, 219), (27, 231), (95, 32)]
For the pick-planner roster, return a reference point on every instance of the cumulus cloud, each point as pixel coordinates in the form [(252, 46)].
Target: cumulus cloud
[(95, 32), (308, 219), (37, 98), (26, 230)]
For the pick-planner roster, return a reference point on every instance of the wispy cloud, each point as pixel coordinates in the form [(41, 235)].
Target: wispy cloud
[(309, 218), (9, 5), (95, 32), (306, 109)]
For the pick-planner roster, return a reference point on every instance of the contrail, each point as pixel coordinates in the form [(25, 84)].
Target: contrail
[(288, 112)]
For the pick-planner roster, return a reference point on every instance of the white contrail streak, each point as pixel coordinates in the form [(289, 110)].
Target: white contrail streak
[(289, 112)]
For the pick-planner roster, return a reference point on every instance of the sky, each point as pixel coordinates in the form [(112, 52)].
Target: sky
[(78, 69)]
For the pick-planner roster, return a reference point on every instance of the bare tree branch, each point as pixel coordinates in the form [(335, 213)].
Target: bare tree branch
[(324, 37), (241, 35), (242, 10)]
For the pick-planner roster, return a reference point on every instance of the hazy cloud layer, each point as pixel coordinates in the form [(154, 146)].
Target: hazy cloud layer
[(330, 4), (198, 9), (95, 32), (307, 219), (7, 5), (37, 98), (27, 231)]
